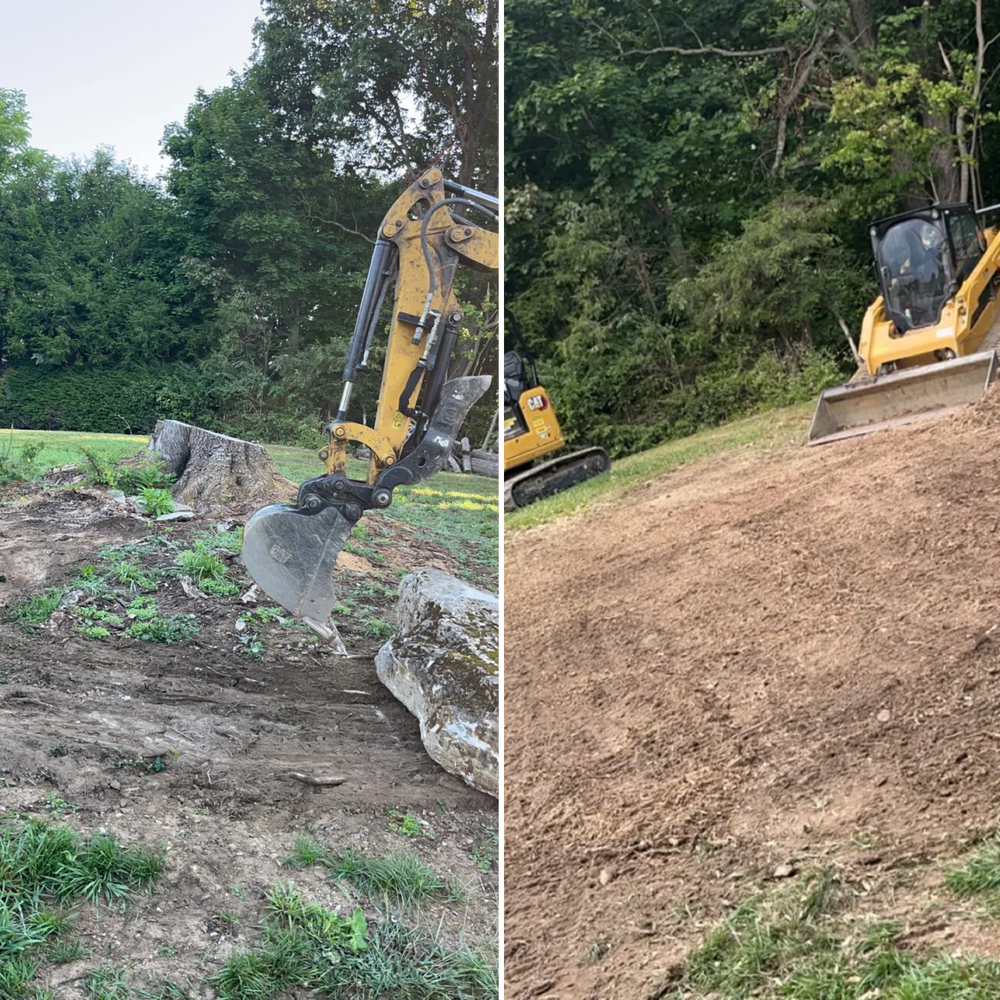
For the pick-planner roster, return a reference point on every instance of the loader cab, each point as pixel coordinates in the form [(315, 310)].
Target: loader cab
[(921, 260)]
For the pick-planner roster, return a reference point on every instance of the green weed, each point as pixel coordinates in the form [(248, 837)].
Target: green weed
[(93, 631), (202, 565), (377, 628), (406, 824), (306, 853), (100, 469), (486, 849), (143, 608), (176, 628), (130, 574), (231, 540), (38, 609), (156, 502)]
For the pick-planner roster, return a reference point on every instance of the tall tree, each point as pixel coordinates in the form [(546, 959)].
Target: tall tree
[(391, 85)]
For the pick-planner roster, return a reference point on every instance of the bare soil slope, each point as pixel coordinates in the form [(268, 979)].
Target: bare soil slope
[(750, 659)]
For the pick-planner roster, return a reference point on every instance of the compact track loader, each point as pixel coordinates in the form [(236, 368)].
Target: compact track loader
[(928, 342), (531, 431)]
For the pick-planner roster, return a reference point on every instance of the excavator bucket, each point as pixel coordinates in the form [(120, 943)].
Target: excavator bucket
[(902, 397), (291, 551), (291, 555)]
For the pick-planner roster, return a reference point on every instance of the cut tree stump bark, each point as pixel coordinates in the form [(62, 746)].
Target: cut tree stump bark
[(214, 468)]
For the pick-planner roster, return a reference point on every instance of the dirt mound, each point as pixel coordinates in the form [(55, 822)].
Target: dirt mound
[(750, 658), (985, 412)]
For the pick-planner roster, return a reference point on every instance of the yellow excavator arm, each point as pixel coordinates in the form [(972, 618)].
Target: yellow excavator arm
[(290, 550)]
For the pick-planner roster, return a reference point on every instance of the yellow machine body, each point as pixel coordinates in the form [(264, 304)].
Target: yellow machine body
[(965, 321), (541, 437), (923, 363), (531, 434)]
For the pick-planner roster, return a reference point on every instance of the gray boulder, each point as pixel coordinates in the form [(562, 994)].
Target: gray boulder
[(443, 665)]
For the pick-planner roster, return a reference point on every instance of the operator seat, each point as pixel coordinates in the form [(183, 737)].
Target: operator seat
[(514, 378)]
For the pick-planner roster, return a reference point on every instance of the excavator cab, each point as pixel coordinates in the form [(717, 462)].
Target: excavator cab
[(514, 383)]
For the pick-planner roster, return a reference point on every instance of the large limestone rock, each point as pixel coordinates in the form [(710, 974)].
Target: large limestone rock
[(443, 665)]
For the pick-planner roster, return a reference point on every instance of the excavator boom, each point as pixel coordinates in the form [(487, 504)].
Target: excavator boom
[(291, 550)]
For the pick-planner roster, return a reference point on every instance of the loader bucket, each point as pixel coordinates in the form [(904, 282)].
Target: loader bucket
[(291, 554), (901, 398)]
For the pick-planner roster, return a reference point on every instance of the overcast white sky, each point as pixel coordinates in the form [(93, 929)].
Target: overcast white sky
[(115, 72)]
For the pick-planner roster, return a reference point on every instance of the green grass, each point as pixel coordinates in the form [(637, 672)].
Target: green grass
[(768, 430), (39, 608), (403, 878), (63, 447), (979, 875), (47, 872), (303, 946), (807, 941), (207, 570)]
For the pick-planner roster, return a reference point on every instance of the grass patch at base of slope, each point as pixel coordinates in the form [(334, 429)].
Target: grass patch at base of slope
[(809, 941), (60, 448), (767, 430)]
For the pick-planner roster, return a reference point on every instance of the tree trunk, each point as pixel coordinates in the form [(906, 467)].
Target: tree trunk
[(214, 469)]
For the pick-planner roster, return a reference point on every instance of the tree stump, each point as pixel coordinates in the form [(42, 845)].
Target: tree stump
[(214, 468)]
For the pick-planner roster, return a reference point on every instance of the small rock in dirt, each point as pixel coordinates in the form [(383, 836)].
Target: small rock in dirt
[(189, 588), (69, 599), (884, 715), (118, 496), (606, 876), (539, 988), (177, 515), (250, 597), (786, 870)]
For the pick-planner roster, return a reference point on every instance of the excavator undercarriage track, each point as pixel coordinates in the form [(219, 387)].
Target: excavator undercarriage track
[(553, 477)]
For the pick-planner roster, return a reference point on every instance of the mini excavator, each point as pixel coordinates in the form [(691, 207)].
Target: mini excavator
[(290, 549), (928, 342), (531, 431)]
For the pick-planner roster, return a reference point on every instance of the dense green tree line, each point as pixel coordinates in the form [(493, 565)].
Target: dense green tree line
[(689, 184), (226, 292)]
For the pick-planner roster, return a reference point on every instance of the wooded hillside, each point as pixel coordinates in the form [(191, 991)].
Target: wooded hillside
[(689, 186), (225, 294)]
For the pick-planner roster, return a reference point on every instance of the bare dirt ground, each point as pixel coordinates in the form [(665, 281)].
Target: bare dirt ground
[(83, 721), (753, 661)]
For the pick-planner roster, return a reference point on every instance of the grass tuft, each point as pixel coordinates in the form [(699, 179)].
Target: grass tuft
[(401, 877)]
